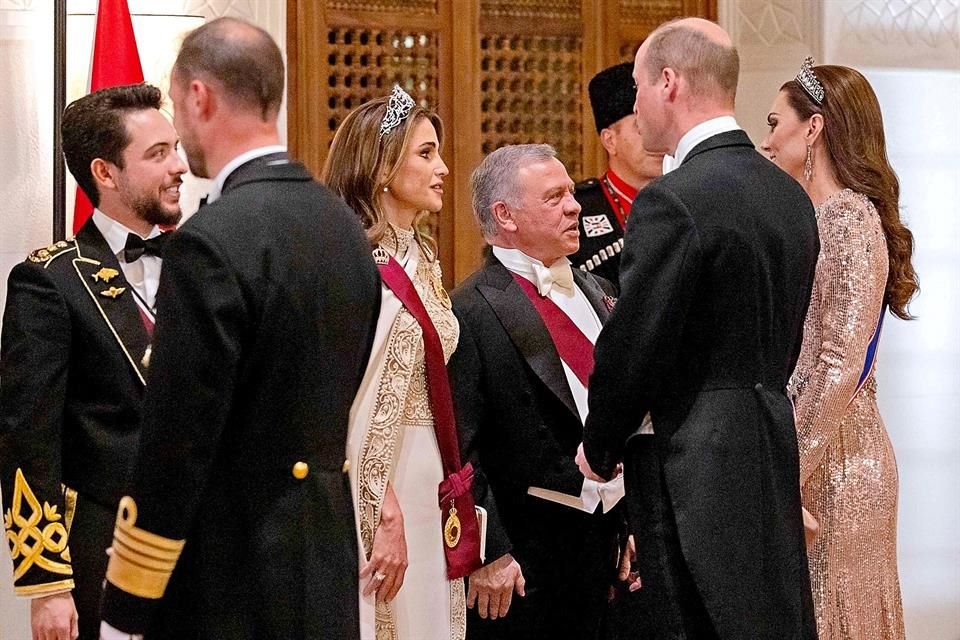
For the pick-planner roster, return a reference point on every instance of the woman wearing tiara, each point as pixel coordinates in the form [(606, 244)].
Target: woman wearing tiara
[(826, 131), (385, 162)]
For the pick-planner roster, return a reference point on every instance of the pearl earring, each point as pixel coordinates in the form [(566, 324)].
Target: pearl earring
[(385, 189)]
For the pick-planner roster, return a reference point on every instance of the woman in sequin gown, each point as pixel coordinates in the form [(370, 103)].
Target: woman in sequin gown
[(848, 475), (391, 180)]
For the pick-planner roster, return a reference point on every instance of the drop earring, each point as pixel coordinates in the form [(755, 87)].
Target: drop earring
[(808, 165)]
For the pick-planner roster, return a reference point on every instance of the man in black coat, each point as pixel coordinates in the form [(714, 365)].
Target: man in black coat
[(75, 330), (605, 201), (268, 303), (716, 277), (520, 400)]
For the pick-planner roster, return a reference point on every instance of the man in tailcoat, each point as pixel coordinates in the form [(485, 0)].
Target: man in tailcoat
[(75, 332), (520, 398), (716, 276), (268, 303)]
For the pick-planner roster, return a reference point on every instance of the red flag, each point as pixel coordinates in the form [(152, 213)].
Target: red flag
[(115, 62)]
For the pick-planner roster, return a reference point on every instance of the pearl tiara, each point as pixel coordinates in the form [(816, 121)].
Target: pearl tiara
[(808, 80), (398, 108)]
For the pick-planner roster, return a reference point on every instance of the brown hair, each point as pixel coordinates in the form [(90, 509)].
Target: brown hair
[(360, 164), (710, 68), (854, 140), (241, 57), (95, 127)]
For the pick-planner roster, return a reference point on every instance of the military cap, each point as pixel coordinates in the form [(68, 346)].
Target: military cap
[(612, 94)]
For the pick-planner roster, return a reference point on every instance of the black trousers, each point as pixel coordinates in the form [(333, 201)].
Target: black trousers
[(90, 534)]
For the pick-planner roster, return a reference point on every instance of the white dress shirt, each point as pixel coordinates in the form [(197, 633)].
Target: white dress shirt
[(696, 135), (142, 274), (575, 304), (217, 188)]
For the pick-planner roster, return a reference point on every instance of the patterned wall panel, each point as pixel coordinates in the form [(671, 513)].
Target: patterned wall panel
[(530, 92), (649, 14), (542, 9), (405, 6), (365, 63)]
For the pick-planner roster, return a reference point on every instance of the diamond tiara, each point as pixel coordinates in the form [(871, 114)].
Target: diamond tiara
[(808, 80), (398, 108)]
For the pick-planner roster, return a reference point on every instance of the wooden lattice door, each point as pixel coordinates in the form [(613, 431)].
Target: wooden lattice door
[(498, 72)]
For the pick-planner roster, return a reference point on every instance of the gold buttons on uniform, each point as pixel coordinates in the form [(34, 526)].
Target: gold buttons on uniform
[(300, 470), (346, 466)]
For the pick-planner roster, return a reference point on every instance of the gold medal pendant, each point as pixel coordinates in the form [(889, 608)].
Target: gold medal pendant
[(451, 530)]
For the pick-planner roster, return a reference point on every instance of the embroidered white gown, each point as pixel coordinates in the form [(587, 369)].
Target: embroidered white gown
[(392, 438)]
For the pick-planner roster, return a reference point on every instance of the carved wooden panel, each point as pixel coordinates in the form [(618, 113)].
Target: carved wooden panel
[(405, 6), (541, 9), (365, 63), (530, 91), (648, 14)]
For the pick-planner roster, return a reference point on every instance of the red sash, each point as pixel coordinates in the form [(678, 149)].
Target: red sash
[(574, 348), (458, 518)]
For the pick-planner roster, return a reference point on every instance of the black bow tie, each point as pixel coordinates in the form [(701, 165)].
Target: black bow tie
[(137, 246)]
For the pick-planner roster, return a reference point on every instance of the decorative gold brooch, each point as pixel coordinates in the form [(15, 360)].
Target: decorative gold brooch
[(113, 292)]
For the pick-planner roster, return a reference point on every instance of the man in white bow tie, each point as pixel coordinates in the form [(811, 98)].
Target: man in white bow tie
[(519, 376)]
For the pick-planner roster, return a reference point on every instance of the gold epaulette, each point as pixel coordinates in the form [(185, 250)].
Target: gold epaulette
[(37, 537), (46, 254), (141, 562)]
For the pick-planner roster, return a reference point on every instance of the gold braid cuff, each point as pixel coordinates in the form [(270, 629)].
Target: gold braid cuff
[(141, 562)]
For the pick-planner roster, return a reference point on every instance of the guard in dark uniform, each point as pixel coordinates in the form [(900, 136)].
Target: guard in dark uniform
[(75, 332), (606, 201)]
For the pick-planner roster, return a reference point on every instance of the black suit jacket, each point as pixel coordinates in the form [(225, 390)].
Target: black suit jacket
[(716, 276), (71, 386), (268, 303), (516, 416)]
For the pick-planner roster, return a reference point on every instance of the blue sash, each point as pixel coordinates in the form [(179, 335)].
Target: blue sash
[(871, 354)]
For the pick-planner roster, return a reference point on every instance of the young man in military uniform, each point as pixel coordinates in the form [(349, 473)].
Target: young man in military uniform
[(76, 328), (606, 201)]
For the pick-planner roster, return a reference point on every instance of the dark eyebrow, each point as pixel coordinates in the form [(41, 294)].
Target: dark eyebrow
[(430, 144), (154, 146)]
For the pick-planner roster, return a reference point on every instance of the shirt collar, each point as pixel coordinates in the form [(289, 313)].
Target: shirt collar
[(625, 189), (519, 262), (115, 233), (217, 187), (696, 135)]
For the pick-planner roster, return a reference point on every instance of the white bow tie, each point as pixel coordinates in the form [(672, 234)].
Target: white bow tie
[(559, 276)]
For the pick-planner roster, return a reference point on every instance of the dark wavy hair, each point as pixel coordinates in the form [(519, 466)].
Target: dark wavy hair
[(854, 139), (95, 126)]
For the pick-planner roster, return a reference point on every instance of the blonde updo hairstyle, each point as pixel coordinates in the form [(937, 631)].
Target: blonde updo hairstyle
[(360, 164)]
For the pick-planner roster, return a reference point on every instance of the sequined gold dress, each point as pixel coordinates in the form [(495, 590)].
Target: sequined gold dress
[(391, 438), (848, 473)]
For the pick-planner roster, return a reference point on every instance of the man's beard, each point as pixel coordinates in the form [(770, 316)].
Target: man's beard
[(150, 210)]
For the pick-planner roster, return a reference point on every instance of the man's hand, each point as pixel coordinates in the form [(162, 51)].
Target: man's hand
[(54, 617), (388, 561), (584, 466), (491, 587), (627, 559)]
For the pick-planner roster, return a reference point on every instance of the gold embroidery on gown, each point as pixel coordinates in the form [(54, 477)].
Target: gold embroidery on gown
[(403, 403), (848, 473)]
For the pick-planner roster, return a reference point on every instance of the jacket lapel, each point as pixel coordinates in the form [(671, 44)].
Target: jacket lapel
[(526, 329), (101, 275), (593, 293)]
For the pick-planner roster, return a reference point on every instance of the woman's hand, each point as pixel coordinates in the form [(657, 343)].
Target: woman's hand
[(388, 562), (810, 527)]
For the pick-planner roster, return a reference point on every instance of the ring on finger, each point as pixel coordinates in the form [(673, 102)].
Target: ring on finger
[(379, 577)]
